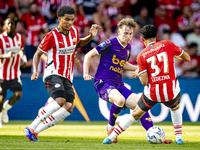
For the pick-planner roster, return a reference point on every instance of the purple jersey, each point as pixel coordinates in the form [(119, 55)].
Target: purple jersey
[(113, 58)]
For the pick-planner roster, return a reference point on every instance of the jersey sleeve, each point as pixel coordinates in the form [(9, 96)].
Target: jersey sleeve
[(47, 43), (101, 48), (177, 51), (22, 43), (141, 64)]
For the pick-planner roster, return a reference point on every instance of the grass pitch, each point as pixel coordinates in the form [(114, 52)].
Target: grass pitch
[(89, 136)]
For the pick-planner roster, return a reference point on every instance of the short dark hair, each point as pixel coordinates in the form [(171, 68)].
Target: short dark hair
[(148, 31), (65, 10)]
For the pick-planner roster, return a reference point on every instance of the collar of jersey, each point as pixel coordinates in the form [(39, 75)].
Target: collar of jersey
[(151, 43), (62, 32)]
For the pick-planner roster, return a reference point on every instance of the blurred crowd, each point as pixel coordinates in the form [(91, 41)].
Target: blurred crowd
[(176, 20)]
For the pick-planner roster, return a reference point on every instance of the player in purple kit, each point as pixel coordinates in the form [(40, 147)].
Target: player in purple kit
[(108, 79)]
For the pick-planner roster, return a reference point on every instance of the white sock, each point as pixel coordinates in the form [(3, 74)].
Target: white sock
[(0, 120), (110, 127), (44, 113), (53, 119), (177, 123), (122, 126), (7, 106)]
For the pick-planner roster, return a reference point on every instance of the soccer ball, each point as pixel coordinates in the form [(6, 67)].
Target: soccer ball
[(155, 135)]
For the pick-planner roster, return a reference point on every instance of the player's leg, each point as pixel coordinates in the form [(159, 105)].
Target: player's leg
[(124, 124), (136, 114), (176, 116), (145, 120), (109, 93), (15, 86), (56, 117), (61, 113), (3, 94), (117, 100), (57, 93)]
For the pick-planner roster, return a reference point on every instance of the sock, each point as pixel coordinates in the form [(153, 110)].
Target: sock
[(53, 119), (177, 123), (7, 106), (44, 113), (114, 112), (146, 121), (0, 120), (110, 127), (122, 126)]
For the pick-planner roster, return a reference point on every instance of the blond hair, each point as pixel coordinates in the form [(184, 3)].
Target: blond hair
[(127, 22)]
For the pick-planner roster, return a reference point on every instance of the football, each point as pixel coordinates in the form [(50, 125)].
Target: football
[(155, 135)]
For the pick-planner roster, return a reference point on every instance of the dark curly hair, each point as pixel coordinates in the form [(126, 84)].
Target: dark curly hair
[(65, 10), (148, 31)]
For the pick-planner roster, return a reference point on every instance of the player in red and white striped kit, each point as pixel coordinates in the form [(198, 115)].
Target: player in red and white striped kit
[(157, 73), (11, 53), (59, 46)]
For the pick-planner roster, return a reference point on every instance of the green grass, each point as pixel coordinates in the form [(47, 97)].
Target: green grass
[(89, 136)]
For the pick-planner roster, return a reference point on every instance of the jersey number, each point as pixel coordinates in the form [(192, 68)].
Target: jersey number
[(161, 57)]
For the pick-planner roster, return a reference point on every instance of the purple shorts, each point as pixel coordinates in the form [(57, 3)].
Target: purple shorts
[(103, 88)]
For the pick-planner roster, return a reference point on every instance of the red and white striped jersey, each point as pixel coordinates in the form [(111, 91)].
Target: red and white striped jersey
[(10, 67), (157, 59), (60, 50)]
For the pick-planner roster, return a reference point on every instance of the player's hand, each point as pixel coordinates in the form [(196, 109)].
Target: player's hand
[(23, 64), (94, 30), (34, 76), (10, 54), (135, 73), (88, 77)]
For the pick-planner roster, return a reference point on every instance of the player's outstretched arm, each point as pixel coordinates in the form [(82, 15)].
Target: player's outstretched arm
[(36, 60), (7, 55), (130, 67), (184, 57), (144, 78), (92, 33), (86, 64)]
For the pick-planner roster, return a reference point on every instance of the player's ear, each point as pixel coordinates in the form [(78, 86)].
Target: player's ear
[(118, 31)]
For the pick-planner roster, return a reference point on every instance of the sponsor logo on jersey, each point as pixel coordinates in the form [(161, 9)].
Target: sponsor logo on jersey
[(119, 62), (74, 40), (66, 51), (151, 46), (102, 44)]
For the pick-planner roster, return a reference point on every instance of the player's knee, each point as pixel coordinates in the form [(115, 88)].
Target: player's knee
[(70, 109), (120, 101), (61, 101), (18, 95), (1, 99), (175, 108)]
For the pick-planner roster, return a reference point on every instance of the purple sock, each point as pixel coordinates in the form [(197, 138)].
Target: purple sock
[(114, 112), (146, 121)]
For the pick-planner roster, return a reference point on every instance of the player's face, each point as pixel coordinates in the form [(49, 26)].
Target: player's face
[(67, 21), (9, 26), (125, 34)]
